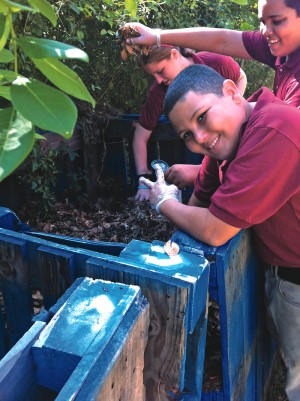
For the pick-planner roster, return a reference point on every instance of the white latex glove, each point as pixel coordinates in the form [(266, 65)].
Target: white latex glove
[(148, 36), (160, 191)]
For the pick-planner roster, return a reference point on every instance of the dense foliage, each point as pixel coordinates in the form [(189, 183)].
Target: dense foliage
[(52, 53)]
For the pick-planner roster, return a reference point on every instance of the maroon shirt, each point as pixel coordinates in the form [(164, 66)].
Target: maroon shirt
[(287, 73), (260, 188), (154, 105)]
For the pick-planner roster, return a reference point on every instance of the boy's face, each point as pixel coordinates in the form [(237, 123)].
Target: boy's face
[(280, 26), (210, 125)]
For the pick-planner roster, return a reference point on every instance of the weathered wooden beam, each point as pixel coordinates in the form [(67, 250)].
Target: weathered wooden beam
[(100, 331), (17, 372)]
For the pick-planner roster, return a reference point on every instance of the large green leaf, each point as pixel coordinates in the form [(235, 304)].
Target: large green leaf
[(7, 77), (14, 7), (240, 2), (46, 107), (4, 30), (64, 78), (131, 7), (16, 140), (45, 9), (6, 56), (44, 48), (5, 92)]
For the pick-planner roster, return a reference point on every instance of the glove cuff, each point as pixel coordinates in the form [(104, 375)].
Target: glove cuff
[(164, 199)]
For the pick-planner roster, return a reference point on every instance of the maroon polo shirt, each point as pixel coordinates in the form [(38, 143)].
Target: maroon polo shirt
[(260, 188), (287, 73), (154, 105)]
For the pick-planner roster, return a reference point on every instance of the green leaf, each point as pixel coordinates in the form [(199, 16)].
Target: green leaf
[(240, 2), (131, 7), (46, 107), (16, 140), (245, 26), (7, 77), (45, 9), (44, 48), (4, 30), (6, 56), (64, 78), (5, 92), (39, 137), (15, 7)]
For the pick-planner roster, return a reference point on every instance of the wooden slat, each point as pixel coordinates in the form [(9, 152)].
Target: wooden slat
[(53, 273), (15, 287), (176, 289), (85, 330), (116, 372), (17, 374), (237, 287)]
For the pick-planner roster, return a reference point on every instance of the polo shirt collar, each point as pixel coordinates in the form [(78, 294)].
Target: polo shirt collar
[(292, 61)]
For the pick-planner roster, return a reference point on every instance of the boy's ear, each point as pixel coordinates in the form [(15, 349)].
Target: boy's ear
[(230, 88), (175, 53)]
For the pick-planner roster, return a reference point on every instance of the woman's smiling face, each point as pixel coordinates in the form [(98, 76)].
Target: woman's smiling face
[(280, 25), (209, 124)]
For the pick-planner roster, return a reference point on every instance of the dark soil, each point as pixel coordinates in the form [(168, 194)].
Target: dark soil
[(117, 219)]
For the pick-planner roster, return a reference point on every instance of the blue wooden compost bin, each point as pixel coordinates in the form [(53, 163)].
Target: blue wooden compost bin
[(92, 347), (176, 289), (163, 144)]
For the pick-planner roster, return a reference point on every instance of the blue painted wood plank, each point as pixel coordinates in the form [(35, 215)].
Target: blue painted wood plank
[(3, 337), (104, 373), (95, 306), (10, 221), (162, 280), (17, 372), (181, 266), (15, 287), (111, 248), (234, 284), (237, 289), (55, 271), (164, 362)]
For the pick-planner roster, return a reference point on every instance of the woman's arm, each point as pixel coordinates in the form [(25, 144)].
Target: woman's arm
[(223, 41), (140, 140)]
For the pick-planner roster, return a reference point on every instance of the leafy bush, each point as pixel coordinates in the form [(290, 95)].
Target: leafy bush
[(44, 50), (30, 102)]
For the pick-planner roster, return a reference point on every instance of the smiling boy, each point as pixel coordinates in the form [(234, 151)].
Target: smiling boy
[(249, 178)]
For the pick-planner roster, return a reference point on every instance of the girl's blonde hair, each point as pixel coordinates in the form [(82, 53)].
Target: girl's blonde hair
[(159, 53)]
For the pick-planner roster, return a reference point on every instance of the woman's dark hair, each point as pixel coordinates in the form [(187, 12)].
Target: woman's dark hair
[(295, 4), (196, 78)]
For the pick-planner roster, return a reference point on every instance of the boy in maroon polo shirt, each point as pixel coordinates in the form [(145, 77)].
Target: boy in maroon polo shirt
[(249, 178), (164, 63), (277, 44)]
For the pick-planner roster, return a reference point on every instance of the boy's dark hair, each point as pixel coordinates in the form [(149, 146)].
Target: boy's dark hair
[(196, 78), (295, 4)]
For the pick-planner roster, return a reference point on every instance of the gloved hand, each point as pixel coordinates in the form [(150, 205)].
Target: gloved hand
[(160, 191), (148, 36)]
